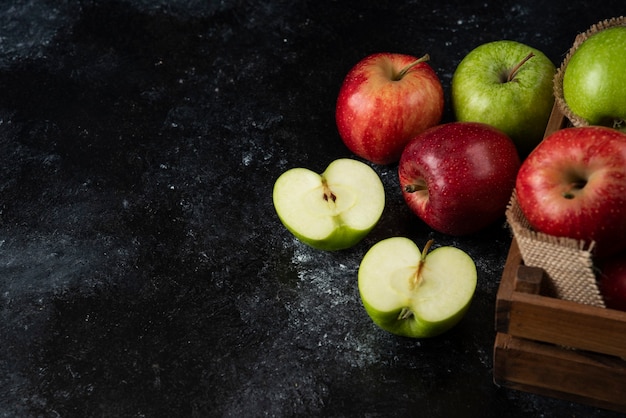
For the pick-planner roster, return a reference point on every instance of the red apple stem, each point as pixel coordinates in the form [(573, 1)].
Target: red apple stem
[(419, 185), (515, 69), (406, 69)]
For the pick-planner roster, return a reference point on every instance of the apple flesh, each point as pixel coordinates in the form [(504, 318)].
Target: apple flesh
[(612, 281), (508, 85), (594, 80), (416, 294), (458, 177), (574, 185), (384, 101), (333, 210)]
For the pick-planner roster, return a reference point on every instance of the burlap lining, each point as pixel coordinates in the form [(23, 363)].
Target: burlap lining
[(558, 77), (567, 262)]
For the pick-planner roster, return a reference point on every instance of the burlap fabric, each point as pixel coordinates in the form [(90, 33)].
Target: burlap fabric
[(558, 77), (567, 262)]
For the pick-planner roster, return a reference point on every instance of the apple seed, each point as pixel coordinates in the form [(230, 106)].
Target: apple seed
[(328, 194)]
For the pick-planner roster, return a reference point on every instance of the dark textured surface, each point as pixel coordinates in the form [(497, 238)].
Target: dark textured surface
[(143, 271)]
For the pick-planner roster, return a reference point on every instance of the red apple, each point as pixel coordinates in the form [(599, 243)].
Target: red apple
[(612, 281), (458, 177), (573, 185), (384, 101)]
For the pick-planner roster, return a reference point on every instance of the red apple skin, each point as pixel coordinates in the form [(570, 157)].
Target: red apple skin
[(612, 281), (573, 184), (377, 115), (464, 172)]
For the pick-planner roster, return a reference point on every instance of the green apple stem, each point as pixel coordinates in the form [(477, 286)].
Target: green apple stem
[(417, 278), (406, 69), (515, 69)]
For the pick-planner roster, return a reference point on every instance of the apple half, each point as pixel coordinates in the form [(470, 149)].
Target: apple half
[(333, 210), (416, 294)]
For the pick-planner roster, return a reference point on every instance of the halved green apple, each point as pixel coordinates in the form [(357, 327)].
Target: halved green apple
[(333, 210), (412, 293)]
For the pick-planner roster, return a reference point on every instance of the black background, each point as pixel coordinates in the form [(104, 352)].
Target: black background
[(143, 271)]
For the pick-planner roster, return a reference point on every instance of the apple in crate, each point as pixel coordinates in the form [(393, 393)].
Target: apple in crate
[(384, 101), (333, 210), (594, 80), (574, 185), (412, 293), (508, 85), (612, 281), (458, 177)]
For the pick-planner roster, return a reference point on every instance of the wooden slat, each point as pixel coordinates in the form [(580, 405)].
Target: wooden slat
[(556, 321), (568, 323), (557, 121), (548, 370)]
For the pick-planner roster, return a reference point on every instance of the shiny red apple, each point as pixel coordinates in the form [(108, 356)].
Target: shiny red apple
[(458, 177), (612, 281), (573, 185), (385, 100)]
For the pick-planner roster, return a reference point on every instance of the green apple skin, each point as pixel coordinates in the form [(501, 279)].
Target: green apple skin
[(436, 305), (521, 107), (594, 81), (324, 223)]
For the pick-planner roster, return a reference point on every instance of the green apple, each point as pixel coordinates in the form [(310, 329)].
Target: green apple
[(333, 210), (508, 85), (594, 80), (412, 293)]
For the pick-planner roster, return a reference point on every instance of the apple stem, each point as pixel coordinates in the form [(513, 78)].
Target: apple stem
[(515, 69), (406, 69), (417, 279), (416, 187), (406, 313)]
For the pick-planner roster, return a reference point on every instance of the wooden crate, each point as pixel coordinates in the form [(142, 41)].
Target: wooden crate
[(556, 347)]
